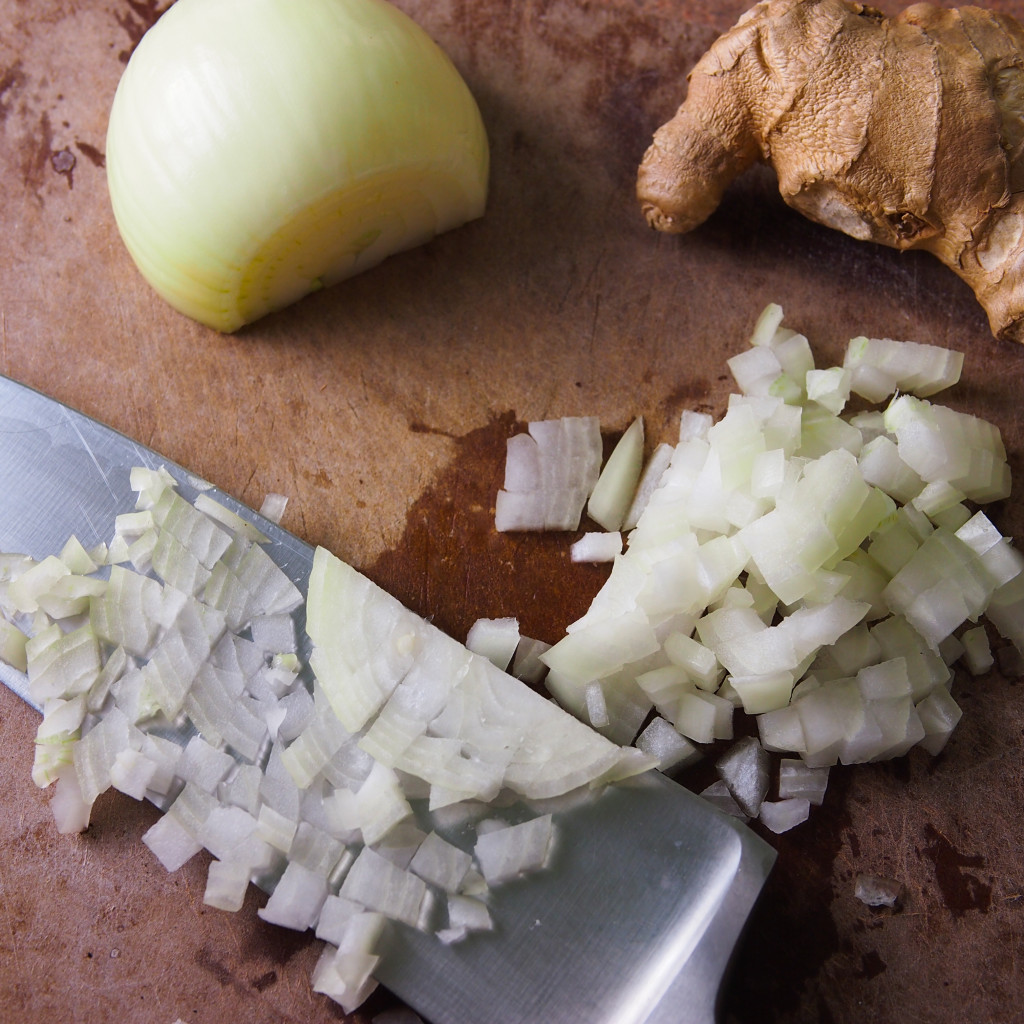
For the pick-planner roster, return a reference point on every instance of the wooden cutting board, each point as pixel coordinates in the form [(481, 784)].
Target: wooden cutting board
[(381, 408)]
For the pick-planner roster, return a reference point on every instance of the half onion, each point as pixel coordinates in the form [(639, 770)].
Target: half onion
[(259, 150)]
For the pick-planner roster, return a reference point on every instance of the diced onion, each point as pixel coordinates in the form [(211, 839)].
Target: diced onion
[(550, 472), (495, 639), (782, 815), (597, 547), (613, 493), (876, 891), (823, 572), (199, 700), (514, 850), (770, 569)]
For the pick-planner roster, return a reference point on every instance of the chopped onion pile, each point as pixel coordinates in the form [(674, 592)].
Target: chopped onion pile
[(168, 666), (821, 567), (259, 150)]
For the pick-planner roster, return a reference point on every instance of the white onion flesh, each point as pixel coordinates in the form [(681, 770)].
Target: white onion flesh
[(782, 815), (550, 472), (314, 807), (875, 891), (512, 851), (823, 570), (744, 768), (597, 547), (495, 639), (843, 649), (258, 150), (612, 495)]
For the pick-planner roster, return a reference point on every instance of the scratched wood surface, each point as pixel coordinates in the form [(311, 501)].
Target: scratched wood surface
[(381, 408)]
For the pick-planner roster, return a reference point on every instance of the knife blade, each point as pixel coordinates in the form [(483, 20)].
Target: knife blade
[(635, 919)]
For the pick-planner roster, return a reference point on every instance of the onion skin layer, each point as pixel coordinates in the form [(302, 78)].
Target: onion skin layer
[(259, 150)]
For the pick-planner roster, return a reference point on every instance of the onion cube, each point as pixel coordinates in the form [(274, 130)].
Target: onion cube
[(781, 730), (296, 899), (939, 715), (829, 388), (132, 773), (465, 914), (226, 885), (660, 740), (526, 664), (335, 914), (514, 850), (745, 770), (977, 651), (782, 815), (379, 885), (440, 863), (346, 977), (596, 547), (494, 639), (204, 765), (70, 810), (798, 780), (171, 843)]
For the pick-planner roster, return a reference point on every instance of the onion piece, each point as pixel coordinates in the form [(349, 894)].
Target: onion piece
[(510, 851), (822, 572), (495, 639), (879, 367), (744, 768), (613, 493), (649, 481), (226, 885), (782, 815), (876, 891), (596, 547), (797, 780), (12, 645), (273, 507), (256, 153), (440, 863), (465, 914), (379, 885), (526, 663), (673, 751), (977, 651), (550, 473), (296, 899), (829, 388)]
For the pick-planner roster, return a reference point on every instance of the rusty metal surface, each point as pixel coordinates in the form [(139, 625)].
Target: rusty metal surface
[(381, 407)]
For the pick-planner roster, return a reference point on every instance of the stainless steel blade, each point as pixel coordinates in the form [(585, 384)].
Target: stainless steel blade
[(649, 887)]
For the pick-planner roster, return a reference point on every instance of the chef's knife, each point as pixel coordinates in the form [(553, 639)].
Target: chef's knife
[(635, 919)]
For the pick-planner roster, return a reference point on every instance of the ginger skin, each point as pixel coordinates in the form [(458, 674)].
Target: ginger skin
[(906, 131)]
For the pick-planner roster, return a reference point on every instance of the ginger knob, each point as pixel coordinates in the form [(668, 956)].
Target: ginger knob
[(906, 131)]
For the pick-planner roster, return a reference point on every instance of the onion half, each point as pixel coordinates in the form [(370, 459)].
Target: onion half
[(258, 150)]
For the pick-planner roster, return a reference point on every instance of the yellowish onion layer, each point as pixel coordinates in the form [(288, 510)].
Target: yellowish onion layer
[(259, 150)]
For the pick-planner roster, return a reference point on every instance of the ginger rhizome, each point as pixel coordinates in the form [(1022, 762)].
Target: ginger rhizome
[(907, 131)]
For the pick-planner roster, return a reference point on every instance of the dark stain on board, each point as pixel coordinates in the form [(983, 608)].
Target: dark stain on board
[(453, 567), (961, 890)]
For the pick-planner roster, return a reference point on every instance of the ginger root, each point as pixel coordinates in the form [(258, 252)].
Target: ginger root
[(907, 131)]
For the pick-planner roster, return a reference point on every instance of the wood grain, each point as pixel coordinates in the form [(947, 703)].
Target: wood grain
[(381, 407)]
